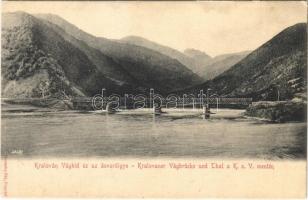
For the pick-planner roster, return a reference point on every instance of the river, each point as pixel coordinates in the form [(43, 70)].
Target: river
[(29, 132)]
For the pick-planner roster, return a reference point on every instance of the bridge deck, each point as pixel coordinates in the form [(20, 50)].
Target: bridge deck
[(244, 101), (196, 101)]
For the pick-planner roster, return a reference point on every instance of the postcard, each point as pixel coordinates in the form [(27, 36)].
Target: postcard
[(154, 99)]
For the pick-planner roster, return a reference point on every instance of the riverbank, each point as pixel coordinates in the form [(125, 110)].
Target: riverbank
[(280, 111), (54, 104)]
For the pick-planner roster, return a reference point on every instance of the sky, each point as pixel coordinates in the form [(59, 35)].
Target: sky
[(213, 27)]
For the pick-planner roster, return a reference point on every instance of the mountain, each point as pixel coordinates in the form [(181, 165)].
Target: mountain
[(44, 58), (36, 59), (44, 55), (142, 42), (148, 67), (198, 61), (209, 67), (197, 55), (201, 60), (220, 63), (278, 67)]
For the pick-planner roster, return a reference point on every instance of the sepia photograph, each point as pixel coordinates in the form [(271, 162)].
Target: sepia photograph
[(189, 81)]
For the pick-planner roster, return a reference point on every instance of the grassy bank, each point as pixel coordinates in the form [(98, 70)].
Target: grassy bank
[(281, 111)]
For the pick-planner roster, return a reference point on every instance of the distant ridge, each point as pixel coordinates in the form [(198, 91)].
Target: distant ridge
[(196, 54)]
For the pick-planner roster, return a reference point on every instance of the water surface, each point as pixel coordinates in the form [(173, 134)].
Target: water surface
[(32, 132)]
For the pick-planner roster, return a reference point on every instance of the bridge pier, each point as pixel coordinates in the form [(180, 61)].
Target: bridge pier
[(157, 110), (109, 108), (206, 111)]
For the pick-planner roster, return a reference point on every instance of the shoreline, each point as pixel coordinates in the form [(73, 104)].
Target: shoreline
[(267, 111), (279, 112)]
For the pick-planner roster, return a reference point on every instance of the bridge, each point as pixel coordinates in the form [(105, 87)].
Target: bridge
[(137, 101), (168, 102)]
